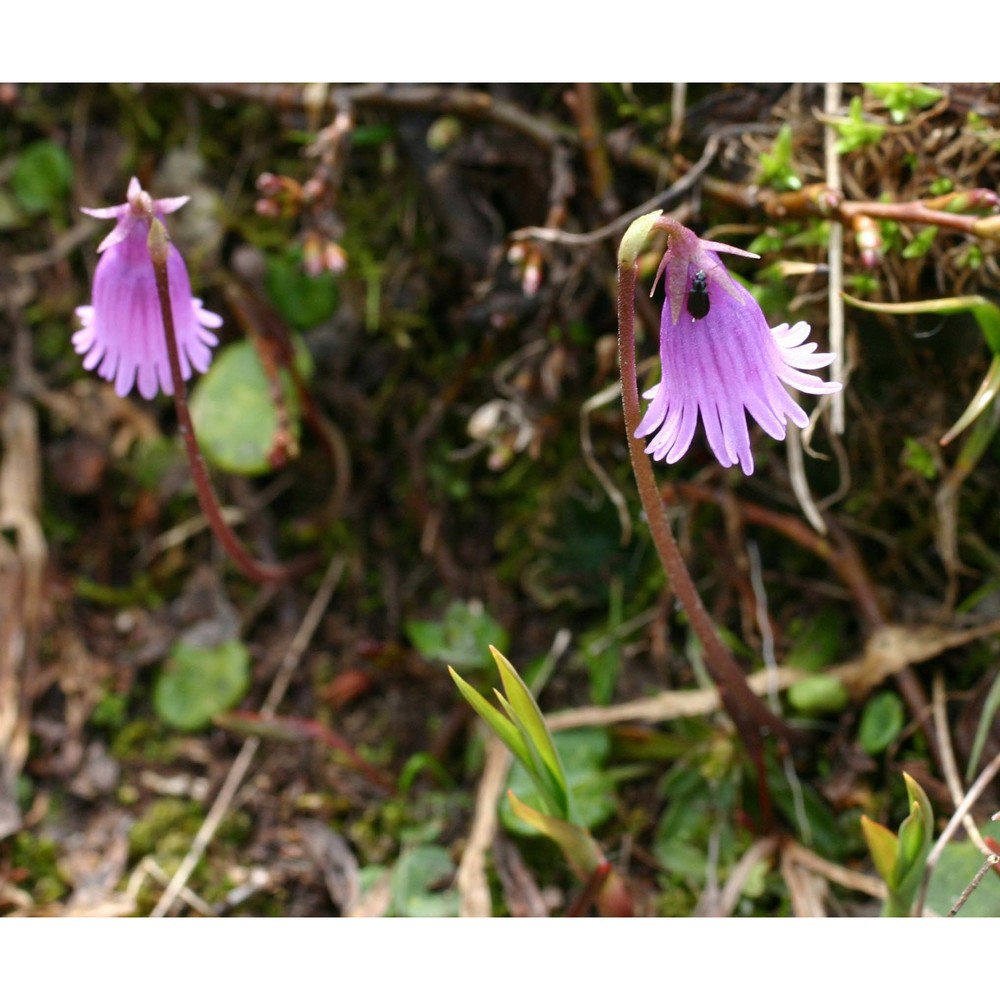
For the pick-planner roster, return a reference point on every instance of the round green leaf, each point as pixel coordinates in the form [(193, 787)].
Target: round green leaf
[(881, 722), (416, 883), (462, 638), (235, 419), (198, 682), (816, 695)]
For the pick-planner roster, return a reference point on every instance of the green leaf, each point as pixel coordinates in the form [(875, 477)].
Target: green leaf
[(954, 870), (526, 714), (902, 98), (816, 640), (583, 753), (983, 399), (198, 682), (918, 798), (856, 132), (990, 707), (913, 841), (505, 730), (302, 300), (810, 815), (577, 845), (882, 845), (233, 410), (776, 168), (881, 722), (603, 664), (817, 695), (918, 457), (915, 835), (985, 312), (417, 878), (461, 638), (919, 246), (42, 177)]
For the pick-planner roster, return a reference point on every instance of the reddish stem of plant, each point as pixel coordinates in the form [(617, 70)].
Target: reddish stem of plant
[(257, 571), (752, 718)]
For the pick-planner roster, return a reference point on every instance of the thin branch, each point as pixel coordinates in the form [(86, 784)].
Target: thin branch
[(890, 650), (948, 764), (615, 226), (835, 260), (990, 861)]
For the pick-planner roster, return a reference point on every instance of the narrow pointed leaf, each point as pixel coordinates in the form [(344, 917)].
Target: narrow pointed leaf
[(918, 796), (882, 845), (508, 733), (986, 313), (526, 714), (913, 841), (982, 400), (990, 708), (548, 785), (577, 845)]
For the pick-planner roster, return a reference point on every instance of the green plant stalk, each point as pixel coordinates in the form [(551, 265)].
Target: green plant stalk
[(524, 732), (257, 571), (583, 855), (752, 718), (901, 859)]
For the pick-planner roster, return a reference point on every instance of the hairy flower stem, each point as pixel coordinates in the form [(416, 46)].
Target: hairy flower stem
[(752, 718), (257, 571)]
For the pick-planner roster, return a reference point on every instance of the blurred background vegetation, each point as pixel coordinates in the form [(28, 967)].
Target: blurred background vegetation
[(452, 446)]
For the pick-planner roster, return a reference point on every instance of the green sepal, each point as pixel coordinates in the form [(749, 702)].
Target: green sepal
[(634, 240)]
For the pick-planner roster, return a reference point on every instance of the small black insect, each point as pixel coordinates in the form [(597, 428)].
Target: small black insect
[(698, 303)]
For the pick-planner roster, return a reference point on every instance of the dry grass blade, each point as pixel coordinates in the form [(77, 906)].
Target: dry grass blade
[(725, 901), (336, 860), (948, 763), (891, 649), (471, 878), (806, 889), (855, 881)]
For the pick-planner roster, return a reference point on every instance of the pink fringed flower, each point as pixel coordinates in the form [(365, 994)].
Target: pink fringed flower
[(719, 358), (123, 329)]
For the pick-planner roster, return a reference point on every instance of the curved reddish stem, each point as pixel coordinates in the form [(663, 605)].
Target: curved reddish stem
[(257, 571)]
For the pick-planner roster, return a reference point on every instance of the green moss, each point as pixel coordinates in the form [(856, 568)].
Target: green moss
[(38, 857), (165, 828)]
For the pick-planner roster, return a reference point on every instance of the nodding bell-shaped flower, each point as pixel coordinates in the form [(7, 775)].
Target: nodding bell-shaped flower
[(123, 335), (719, 357)]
